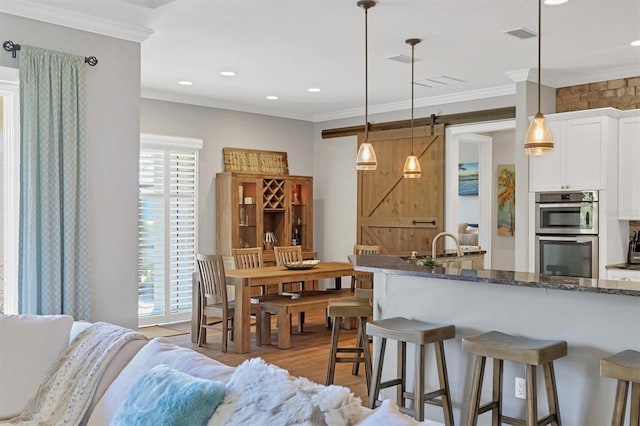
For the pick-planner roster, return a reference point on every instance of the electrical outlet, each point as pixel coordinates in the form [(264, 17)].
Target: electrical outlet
[(521, 388)]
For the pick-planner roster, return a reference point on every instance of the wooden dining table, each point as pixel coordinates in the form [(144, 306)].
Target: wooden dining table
[(243, 279)]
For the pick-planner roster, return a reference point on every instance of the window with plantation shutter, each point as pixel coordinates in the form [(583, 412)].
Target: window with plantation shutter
[(167, 227)]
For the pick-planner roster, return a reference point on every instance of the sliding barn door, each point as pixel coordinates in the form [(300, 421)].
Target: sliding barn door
[(402, 215)]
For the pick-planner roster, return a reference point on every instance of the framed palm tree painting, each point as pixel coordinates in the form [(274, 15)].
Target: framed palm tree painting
[(506, 199)]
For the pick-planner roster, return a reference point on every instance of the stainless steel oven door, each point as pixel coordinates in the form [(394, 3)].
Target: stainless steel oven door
[(567, 218), (570, 256)]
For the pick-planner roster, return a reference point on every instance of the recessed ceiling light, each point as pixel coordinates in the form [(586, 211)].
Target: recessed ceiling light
[(555, 2), (635, 43), (314, 89), (272, 98), (185, 83), (228, 73)]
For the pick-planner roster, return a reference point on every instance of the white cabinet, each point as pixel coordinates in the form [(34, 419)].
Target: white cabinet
[(623, 275), (629, 167), (579, 159)]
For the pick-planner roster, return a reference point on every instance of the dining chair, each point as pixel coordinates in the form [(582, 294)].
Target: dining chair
[(290, 254), (249, 258), (363, 279), (287, 254), (214, 301)]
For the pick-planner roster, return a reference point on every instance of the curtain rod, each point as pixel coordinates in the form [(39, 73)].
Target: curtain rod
[(12, 47)]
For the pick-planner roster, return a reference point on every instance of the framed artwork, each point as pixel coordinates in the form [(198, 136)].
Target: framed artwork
[(468, 179), (506, 199)]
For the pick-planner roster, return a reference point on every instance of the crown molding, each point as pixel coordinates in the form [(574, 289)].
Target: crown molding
[(161, 95), (76, 20), (470, 95), (595, 76), (555, 79), (524, 74)]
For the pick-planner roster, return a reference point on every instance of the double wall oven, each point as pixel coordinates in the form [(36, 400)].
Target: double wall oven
[(567, 233)]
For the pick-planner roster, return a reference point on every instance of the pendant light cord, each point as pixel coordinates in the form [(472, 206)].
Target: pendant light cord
[(413, 47), (366, 77), (539, 50)]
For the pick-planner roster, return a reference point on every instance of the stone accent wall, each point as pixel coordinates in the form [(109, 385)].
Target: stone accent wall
[(623, 93)]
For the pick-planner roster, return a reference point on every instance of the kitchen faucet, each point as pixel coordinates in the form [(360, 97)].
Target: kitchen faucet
[(445, 234)]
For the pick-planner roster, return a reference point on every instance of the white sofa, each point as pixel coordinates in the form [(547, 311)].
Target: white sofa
[(137, 357)]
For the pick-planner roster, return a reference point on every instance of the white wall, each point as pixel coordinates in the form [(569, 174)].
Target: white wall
[(1, 206), (502, 247), (221, 128), (113, 128)]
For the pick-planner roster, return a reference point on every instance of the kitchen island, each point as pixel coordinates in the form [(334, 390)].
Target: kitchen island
[(596, 318)]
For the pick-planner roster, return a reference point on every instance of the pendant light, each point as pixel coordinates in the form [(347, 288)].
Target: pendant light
[(412, 165), (539, 139), (366, 159)]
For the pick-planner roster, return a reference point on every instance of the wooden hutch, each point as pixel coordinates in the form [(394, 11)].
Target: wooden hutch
[(262, 209)]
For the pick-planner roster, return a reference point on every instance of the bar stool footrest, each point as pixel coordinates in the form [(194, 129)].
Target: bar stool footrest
[(515, 421), (511, 421), (350, 359), (390, 383), (428, 397), (548, 420), (349, 350), (488, 407)]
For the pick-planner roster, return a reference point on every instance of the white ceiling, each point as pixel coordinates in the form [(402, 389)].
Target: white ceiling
[(283, 47)]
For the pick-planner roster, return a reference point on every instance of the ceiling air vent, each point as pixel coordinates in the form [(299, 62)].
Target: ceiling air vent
[(521, 33), (440, 81)]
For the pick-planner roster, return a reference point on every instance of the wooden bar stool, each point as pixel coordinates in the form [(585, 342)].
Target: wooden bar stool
[(421, 334), (624, 366), (531, 352), (351, 307)]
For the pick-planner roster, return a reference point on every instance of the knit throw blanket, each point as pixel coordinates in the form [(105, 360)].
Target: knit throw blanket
[(261, 394), (67, 390)]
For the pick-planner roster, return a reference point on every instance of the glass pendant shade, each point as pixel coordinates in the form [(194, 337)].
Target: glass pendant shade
[(412, 167), (366, 159), (539, 139)]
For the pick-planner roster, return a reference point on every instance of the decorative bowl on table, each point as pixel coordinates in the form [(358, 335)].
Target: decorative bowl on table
[(305, 264)]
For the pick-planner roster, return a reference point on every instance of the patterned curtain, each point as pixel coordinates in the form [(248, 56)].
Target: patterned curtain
[(53, 271)]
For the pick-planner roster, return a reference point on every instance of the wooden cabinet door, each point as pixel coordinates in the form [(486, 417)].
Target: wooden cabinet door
[(402, 215)]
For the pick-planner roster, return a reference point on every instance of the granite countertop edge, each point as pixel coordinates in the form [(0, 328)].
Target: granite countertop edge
[(625, 266), (397, 266)]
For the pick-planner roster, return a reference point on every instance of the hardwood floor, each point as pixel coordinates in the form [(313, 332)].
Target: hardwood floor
[(307, 357)]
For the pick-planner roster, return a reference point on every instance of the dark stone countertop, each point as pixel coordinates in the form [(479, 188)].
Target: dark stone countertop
[(397, 266), (448, 253)]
